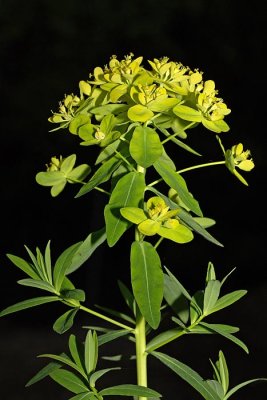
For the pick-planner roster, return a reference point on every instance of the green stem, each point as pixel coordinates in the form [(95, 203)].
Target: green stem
[(210, 164), (111, 320), (96, 187), (141, 355), (140, 332)]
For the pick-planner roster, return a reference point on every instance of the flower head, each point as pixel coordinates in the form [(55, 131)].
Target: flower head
[(157, 218)]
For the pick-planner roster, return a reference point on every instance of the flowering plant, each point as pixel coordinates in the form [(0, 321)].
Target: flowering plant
[(132, 114)]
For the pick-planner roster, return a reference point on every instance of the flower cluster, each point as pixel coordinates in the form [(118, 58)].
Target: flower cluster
[(167, 95)]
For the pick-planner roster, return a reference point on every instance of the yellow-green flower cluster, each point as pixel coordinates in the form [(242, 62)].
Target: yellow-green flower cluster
[(166, 95), (158, 219)]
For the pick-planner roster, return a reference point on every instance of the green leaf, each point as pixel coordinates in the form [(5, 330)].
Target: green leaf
[(189, 375), (196, 306), (177, 141), (112, 335), (145, 146), (64, 359), (178, 285), (211, 275), (65, 321), (175, 298), (139, 113), (23, 305), (24, 266), (163, 338), (87, 248), (96, 375), (209, 328), (177, 182), (37, 284), (90, 351), (227, 300), (102, 175), (211, 295), (73, 294), (44, 372), (236, 388), (76, 351), (117, 314), (129, 390), (147, 281), (129, 191), (224, 374), (227, 335), (69, 380), (62, 265), (217, 387), (84, 396), (193, 224), (47, 262), (128, 296), (187, 113)]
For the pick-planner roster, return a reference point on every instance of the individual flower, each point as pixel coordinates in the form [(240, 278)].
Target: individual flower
[(237, 157), (117, 76), (158, 219), (61, 171), (66, 109)]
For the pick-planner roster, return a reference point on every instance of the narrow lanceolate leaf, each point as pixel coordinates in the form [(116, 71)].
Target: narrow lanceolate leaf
[(127, 295), (69, 380), (227, 335), (128, 192), (102, 175), (179, 285), (76, 351), (47, 260), (164, 338), (236, 388), (23, 305), (211, 295), (84, 396), (63, 264), (175, 298), (65, 321), (24, 266), (224, 373), (189, 375), (145, 146), (63, 359), (177, 182), (96, 375), (37, 284), (112, 335), (90, 351), (147, 281), (227, 300), (44, 372), (129, 390), (209, 328), (87, 248)]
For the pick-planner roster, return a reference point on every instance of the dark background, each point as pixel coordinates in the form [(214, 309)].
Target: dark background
[(46, 47)]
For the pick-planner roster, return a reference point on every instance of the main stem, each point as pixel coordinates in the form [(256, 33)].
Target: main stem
[(140, 334)]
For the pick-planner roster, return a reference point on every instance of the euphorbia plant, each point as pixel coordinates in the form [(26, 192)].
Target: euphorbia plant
[(135, 114)]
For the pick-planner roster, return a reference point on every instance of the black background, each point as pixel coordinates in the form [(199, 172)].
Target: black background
[(46, 47)]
